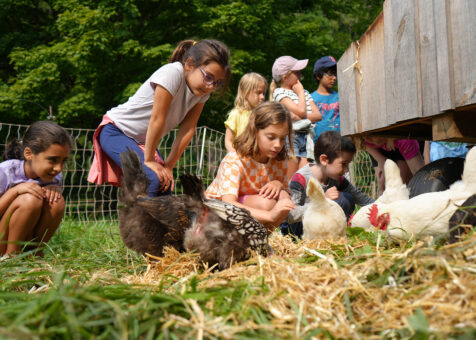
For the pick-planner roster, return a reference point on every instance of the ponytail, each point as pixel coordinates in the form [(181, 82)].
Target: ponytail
[(273, 86), (14, 150), (180, 52)]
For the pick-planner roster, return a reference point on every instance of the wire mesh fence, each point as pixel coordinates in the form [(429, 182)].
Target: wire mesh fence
[(86, 202)]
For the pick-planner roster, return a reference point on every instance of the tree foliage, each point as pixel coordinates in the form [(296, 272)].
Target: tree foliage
[(82, 57)]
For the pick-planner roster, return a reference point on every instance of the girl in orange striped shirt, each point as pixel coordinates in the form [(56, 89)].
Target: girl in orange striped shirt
[(254, 176)]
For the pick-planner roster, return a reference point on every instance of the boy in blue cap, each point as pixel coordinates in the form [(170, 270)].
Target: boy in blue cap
[(326, 99)]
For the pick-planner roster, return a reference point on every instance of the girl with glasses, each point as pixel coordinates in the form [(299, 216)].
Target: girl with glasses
[(325, 98), (173, 95)]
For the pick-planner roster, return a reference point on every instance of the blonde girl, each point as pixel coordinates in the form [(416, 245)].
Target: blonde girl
[(253, 175), (251, 93), (31, 203), (174, 95), (287, 73)]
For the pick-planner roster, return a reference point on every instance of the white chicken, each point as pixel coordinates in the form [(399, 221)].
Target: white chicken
[(429, 213), (323, 218), (395, 190)]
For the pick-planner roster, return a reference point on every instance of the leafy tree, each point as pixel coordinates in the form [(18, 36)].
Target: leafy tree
[(82, 57)]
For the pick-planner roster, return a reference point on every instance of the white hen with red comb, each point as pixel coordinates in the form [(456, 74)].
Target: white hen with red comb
[(395, 190), (429, 213)]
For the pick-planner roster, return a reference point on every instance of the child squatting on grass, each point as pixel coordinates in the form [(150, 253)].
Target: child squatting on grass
[(254, 176), (31, 204), (333, 153), (173, 95), (251, 93)]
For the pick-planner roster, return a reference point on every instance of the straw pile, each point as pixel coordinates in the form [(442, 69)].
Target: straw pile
[(352, 289)]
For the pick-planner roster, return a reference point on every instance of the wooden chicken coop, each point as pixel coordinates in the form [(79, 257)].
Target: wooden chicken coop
[(413, 73)]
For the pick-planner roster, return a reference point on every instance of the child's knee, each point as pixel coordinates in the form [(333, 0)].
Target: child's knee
[(28, 202), (284, 194), (267, 204)]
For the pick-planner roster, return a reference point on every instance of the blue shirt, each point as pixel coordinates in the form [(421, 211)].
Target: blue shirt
[(328, 106)]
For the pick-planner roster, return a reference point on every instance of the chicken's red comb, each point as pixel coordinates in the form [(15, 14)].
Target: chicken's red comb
[(373, 213), (349, 222)]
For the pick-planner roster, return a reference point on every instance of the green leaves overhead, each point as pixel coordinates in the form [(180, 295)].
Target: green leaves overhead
[(84, 57)]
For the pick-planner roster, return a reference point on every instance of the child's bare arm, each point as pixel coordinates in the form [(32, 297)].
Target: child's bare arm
[(229, 137), (273, 216), (160, 108), (315, 115)]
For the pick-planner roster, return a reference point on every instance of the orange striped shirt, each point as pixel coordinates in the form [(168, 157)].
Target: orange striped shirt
[(240, 176)]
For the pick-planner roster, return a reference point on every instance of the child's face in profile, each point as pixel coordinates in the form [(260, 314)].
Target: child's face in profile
[(271, 141), (256, 96), (339, 166)]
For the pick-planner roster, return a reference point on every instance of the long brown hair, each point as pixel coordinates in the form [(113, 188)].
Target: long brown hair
[(262, 116), (204, 52)]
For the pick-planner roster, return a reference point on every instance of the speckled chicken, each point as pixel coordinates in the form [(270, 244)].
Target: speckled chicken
[(222, 233)]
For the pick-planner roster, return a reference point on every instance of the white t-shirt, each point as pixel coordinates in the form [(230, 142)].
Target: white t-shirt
[(280, 93), (133, 116)]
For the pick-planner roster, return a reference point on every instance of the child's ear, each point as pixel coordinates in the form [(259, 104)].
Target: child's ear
[(188, 66), (323, 159), (27, 153)]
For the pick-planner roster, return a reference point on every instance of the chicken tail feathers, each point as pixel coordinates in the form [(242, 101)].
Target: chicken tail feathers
[(314, 191), (193, 186), (134, 180), (392, 174)]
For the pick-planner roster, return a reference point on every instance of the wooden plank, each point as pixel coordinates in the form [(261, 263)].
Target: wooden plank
[(372, 89), (463, 40), (428, 61), (401, 62), (444, 127), (444, 59), (347, 93)]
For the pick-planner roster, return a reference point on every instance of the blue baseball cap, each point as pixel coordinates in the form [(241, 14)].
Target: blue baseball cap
[(324, 62)]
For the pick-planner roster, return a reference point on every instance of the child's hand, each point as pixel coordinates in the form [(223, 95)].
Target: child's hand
[(271, 190), (281, 210), (164, 174), (297, 87), (52, 193), (30, 188), (332, 193)]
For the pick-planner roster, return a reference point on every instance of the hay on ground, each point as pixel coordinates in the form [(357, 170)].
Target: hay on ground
[(348, 289)]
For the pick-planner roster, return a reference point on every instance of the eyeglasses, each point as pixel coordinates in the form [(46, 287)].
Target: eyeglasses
[(331, 73), (209, 80)]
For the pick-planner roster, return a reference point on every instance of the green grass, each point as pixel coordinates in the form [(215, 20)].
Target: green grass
[(80, 295)]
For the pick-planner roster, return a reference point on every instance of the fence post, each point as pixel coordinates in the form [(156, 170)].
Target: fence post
[(202, 151)]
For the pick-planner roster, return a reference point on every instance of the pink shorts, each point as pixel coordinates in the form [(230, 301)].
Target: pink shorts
[(241, 199)]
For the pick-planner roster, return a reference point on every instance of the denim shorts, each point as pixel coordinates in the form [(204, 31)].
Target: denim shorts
[(299, 144)]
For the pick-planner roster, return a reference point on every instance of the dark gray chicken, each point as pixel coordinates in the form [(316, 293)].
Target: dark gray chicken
[(221, 232)]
